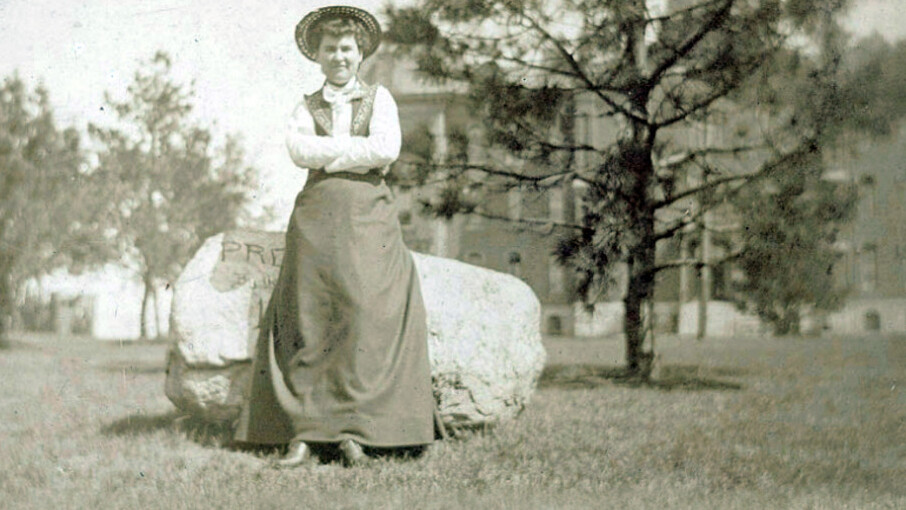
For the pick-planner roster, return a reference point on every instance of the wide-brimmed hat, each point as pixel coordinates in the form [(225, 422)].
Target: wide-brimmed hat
[(312, 19)]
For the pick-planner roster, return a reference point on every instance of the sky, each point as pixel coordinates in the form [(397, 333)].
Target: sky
[(247, 72)]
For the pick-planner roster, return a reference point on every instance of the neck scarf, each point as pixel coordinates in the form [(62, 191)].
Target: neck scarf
[(340, 95)]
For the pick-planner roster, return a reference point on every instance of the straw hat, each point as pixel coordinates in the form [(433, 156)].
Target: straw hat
[(368, 22)]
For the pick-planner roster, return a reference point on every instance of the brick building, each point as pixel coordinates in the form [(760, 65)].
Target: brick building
[(439, 117), (437, 124), (873, 265)]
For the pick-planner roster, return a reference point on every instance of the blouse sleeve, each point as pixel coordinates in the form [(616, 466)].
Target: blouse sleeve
[(307, 149), (380, 148)]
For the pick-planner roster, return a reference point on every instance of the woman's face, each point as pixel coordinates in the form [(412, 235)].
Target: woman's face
[(339, 58)]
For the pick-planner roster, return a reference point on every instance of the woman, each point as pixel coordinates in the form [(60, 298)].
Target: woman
[(342, 355)]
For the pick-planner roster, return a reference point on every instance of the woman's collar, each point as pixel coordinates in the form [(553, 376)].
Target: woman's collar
[(351, 90)]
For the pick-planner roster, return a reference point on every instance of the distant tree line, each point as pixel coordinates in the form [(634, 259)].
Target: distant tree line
[(157, 186)]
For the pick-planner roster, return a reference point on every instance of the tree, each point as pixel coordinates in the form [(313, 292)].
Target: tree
[(790, 221), (47, 215), (788, 253), (168, 187), (534, 68)]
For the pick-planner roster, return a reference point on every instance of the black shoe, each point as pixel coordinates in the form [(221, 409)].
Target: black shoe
[(297, 454), (353, 454)]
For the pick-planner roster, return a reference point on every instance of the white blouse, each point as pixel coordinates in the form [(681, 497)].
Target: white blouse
[(341, 152)]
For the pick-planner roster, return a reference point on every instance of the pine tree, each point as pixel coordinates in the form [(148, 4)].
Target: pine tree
[(761, 73)]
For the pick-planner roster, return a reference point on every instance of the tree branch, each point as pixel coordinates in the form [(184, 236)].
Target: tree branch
[(543, 142), (490, 170), (680, 225), (700, 105), (684, 222), (533, 222), (685, 10), (572, 149), (705, 187), (580, 72), (688, 156), (764, 170), (713, 23), (692, 262), (538, 67), (676, 263)]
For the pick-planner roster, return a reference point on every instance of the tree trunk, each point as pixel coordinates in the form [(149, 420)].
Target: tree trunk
[(157, 326), (641, 260), (5, 308), (634, 331), (639, 293), (787, 323), (637, 160), (145, 299), (6, 294), (705, 282)]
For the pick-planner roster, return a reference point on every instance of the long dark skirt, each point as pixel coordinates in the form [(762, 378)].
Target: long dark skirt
[(343, 350)]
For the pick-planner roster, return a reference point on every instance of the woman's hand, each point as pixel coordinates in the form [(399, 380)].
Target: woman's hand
[(306, 148), (382, 145)]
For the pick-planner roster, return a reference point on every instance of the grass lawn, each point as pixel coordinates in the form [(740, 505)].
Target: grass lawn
[(741, 423)]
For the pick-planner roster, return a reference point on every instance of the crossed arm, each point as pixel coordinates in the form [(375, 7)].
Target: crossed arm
[(345, 153)]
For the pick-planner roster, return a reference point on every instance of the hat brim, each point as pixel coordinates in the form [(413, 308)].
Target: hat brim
[(363, 17)]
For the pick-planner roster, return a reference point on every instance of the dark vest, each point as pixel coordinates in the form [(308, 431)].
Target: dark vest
[(362, 108)]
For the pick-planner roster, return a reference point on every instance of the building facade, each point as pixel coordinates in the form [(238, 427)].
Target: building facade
[(437, 125), (695, 299), (873, 246)]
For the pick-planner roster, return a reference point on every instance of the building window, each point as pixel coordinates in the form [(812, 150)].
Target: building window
[(554, 325), (868, 267), (475, 258), (901, 262), (720, 288), (556, 205), (514, 263), (580, 189), (869, 186), (555, 276), (514, 203), (872, 320), (474, 222)]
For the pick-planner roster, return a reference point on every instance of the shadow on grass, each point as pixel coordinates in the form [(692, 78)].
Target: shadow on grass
[(670, 377), (141, 424), (329, 453), (134, 367), (137, 342), (9, 344), (220, 435), (198, 431)]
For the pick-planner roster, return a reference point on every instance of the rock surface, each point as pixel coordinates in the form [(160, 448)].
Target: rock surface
[(483, 331)]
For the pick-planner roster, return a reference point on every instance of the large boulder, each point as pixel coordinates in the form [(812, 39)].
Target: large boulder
[(483, 331)]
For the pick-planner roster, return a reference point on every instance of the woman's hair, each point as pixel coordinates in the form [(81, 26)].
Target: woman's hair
[(338, 27)]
